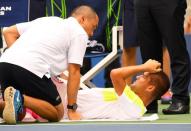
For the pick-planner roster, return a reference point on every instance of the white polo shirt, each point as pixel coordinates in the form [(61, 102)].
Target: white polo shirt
[(47, 45)]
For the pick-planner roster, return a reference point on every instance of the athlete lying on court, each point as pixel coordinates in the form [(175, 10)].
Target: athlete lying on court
[(124, 101), (121, 102)]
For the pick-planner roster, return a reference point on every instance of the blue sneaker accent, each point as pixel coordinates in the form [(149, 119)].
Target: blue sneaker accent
[(18, 103), (13, 105)]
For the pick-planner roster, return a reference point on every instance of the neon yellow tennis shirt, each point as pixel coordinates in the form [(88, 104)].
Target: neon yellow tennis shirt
[(104, 103)]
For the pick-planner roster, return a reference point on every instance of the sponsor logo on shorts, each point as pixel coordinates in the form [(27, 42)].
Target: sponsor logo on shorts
[(57, 98)]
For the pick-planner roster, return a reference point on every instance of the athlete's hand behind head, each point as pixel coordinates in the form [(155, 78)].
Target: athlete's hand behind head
[(152, 66)]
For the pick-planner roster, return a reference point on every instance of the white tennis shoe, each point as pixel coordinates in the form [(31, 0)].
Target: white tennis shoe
[(13, 105)]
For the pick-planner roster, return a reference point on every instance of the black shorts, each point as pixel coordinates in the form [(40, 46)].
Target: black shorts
[(28, 83), (129, 25)]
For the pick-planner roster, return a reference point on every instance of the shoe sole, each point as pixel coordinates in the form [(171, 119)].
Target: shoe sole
[(9, 110), (175, 112), (165, 101)]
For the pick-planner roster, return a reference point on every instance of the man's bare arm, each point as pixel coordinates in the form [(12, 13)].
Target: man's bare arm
[(118, 76), (73, 82), (72, 91), (10, 34)]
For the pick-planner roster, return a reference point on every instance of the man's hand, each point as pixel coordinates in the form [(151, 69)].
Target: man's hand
[(152, 66), (73, 115), (10, 34)]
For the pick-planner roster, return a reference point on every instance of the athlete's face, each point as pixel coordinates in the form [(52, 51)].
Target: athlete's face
[(141, 83)]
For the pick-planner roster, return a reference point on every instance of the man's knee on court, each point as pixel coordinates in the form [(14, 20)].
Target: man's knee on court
[(60, 111)]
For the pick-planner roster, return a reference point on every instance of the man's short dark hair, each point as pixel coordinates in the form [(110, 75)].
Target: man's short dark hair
[(84, 9), (161, 81)]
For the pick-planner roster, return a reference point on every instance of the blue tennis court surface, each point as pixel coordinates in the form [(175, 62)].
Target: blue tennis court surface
[(96, 127)]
